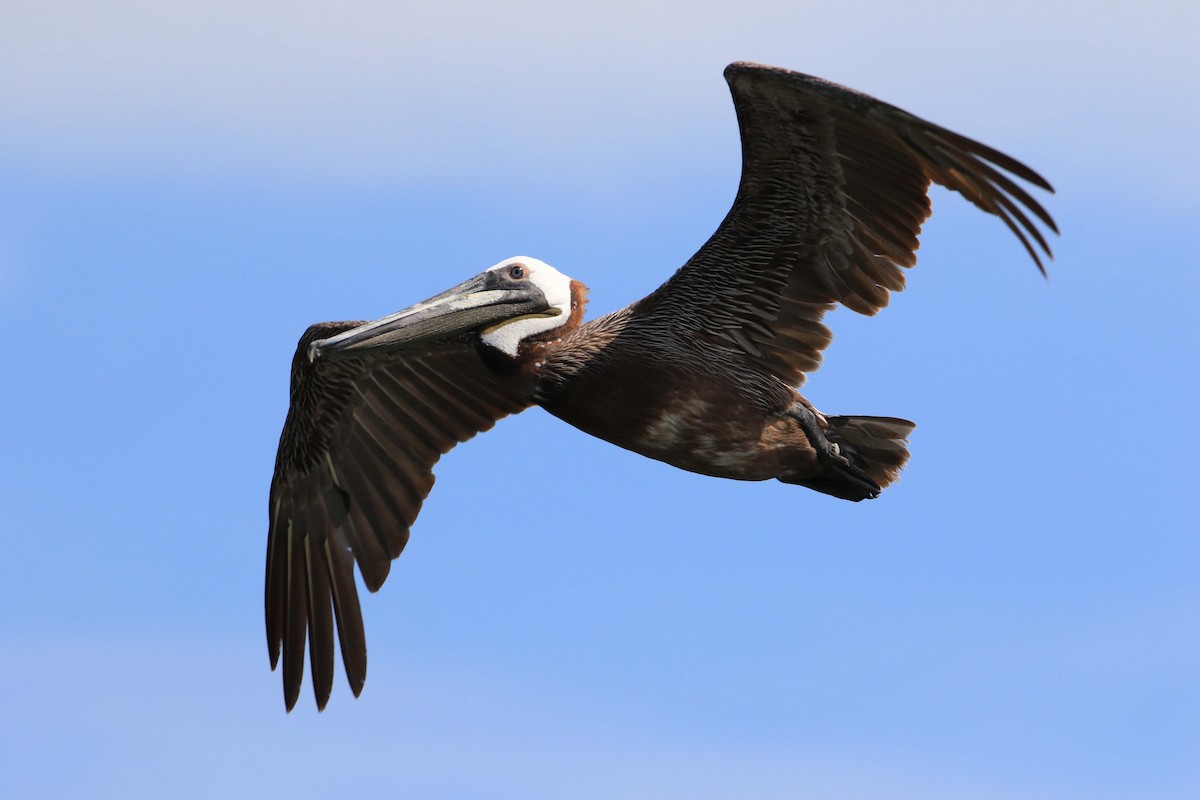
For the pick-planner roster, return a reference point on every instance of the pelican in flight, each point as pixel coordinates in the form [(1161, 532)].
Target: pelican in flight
[(701, 374)]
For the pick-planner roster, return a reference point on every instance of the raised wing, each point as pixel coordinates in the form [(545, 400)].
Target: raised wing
[(831, 201), (355, 463)]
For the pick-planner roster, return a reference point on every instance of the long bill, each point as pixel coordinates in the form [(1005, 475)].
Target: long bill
[(474, 304)]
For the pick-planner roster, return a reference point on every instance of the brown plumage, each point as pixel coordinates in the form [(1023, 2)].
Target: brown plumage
[(701, 374)]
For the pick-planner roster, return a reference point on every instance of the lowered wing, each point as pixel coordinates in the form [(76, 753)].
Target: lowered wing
[(355, 463)]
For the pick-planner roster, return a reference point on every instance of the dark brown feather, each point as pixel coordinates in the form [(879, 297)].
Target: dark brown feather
[(829, 209), (355, 463), (320, 611)]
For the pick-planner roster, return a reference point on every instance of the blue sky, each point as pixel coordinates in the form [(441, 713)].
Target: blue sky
[(183, 190)]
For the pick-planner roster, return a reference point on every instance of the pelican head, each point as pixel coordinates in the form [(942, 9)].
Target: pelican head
[(511, 301)]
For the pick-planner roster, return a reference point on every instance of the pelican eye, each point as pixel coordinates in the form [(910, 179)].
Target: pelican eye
[(517, 272)]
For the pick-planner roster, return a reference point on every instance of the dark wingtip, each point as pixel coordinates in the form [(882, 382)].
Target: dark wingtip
[(323, 685), (738, 67), (1041, 266), (291, 692), (1029, 174), (1051, 224), (357, 676)]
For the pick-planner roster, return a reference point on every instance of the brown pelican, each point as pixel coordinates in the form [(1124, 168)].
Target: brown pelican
[(701, 374)]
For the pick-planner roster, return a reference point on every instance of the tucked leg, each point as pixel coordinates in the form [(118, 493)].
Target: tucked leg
[(836, 459)]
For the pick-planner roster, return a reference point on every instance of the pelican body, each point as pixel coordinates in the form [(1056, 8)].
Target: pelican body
[(701, 374)]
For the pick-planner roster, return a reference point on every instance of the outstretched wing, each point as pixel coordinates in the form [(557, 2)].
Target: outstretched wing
[(831, 201), (355, 463)]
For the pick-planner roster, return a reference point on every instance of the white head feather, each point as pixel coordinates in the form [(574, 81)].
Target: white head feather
[(507, 336)]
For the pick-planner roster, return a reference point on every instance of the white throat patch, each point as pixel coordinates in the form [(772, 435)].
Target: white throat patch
[(508, 335)]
